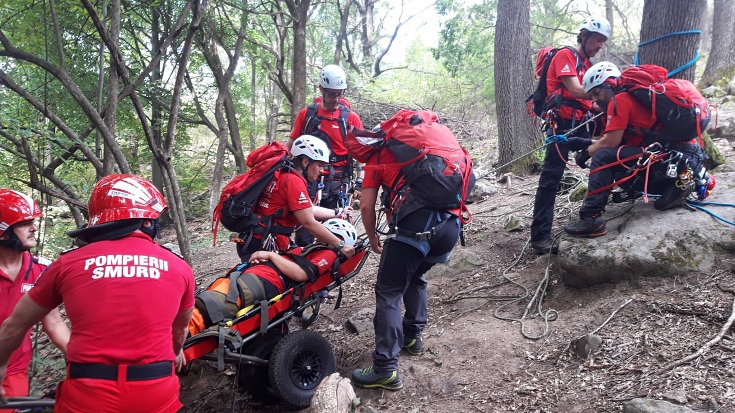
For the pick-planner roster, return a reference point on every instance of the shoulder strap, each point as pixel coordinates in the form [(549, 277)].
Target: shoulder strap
[(576, 54), (311, 270), (312, 120), (344, 114)]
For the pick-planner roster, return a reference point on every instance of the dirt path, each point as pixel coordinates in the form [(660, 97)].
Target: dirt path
[(478, 362)]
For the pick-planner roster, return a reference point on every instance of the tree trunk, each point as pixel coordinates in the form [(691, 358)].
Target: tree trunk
[(721, 61), (299, 10), (664, 17), (113, 87), (344, 16), (513, 82), (253, 101), (609, 16)]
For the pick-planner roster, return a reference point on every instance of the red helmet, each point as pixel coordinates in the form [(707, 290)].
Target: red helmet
[(122, 196), (16, 207)]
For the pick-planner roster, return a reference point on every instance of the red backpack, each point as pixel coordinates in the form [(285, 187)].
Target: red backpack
[(241, 194), (677, 106), (542, 99), (436, 168)]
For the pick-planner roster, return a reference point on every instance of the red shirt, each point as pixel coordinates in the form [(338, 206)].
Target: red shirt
[(564, 63), (322, 258), (121, 297), (10, 293), (626, 113), (329, 125), (286, 192)]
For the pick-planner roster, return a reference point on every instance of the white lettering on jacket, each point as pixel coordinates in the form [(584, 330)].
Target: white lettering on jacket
[(125, 266)]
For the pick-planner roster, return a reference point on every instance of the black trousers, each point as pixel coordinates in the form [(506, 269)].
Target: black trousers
[(550, 179)]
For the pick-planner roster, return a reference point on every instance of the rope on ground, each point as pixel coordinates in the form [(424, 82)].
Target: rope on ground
[(725, 328), (537, 299)]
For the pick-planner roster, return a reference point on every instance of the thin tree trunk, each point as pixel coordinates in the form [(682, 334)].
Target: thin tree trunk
[(344, 16), (113, 87), (513, 82), (299, 10)]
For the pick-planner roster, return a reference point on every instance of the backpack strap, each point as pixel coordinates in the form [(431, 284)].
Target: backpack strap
[(313, 119), (214, 308), (311, 270), (335, 266)]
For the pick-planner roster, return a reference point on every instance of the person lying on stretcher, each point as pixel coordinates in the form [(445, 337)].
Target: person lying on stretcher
[(267, 275)]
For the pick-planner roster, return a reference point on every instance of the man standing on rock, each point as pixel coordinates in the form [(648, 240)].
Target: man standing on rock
[(569, 107)]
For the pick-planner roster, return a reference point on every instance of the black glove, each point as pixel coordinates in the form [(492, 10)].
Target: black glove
[(575, 143), (582, 157)]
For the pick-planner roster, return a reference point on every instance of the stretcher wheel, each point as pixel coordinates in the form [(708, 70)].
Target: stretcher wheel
[(254, 379), (300, 361)]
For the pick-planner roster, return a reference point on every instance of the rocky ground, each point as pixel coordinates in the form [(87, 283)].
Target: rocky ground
[(503, 333)]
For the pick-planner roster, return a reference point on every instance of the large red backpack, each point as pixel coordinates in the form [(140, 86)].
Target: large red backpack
[(436, 168), (241, 194), (542, 99), (677, 106)]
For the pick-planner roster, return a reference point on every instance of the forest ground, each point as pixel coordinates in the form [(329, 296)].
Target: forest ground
[(477, 360), (474, 361)]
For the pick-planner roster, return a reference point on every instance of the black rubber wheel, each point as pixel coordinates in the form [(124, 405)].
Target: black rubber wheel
[(300, 361), (254, 379)]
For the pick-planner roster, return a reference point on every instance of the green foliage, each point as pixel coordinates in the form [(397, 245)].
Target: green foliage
[(466, 42)]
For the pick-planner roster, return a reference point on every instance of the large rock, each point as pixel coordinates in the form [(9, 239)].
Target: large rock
[(644, 242)]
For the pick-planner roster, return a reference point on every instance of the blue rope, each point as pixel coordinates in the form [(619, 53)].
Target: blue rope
[(699, 206), (678, 69)]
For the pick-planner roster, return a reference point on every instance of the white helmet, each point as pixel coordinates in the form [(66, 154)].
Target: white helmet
[(597, 74), (313, 147), (333, 77), (597, 25), (342, 229)]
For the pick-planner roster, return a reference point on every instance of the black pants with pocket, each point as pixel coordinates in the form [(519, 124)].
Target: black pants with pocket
[(552, 171)]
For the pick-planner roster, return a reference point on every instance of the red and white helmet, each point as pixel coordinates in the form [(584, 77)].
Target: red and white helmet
[(122, 196), (598, 74), (342, 229), (311, 146), (16, 207)]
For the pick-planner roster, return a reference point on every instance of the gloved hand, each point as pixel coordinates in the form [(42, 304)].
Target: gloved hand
[(582, 157), (575, 143)]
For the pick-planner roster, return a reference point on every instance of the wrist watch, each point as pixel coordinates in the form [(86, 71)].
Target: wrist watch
[(341, 244)]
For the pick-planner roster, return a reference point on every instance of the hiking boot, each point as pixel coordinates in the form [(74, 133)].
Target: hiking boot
[(593, 226), (545, 246), (673, 196), (368, 378), (414, 346)]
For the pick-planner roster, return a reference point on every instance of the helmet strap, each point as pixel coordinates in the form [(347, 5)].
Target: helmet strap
[(13, 242), (153, 231)]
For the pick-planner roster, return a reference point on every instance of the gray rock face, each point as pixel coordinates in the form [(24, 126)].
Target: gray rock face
[(653, 406), (644, 242)]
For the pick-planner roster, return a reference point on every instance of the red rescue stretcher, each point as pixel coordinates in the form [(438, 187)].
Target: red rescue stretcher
[(273, 364)]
